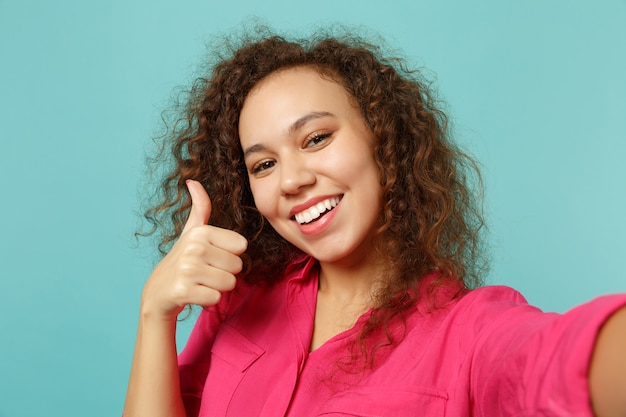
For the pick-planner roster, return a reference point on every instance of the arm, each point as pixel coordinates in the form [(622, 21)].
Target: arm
[(153, 389), (607, 373), (527, 362), (201, 265)]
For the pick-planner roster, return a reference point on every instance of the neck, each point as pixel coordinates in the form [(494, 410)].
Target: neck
[(353, 283)]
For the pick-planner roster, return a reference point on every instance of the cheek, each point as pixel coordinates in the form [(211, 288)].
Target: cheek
[(357, 169), (263, 198)]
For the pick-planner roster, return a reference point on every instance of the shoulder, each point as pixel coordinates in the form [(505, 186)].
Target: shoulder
[(493, 296), (496, 305), (452, 296), (469, 313)]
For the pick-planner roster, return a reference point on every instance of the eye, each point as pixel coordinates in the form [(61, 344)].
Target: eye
[(317, 139), (259, 167)]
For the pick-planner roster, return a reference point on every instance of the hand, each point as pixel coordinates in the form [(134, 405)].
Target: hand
[(199, 267)]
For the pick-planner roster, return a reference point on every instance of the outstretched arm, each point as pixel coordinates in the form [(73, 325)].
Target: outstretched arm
[(607, 373)]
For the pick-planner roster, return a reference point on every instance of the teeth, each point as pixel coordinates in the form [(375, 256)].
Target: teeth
[(314, 212)]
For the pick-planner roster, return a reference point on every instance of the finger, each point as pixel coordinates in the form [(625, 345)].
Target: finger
[(201, 295), (200, 205), (200, 282), (222, 259), (195, 280), (217, 279), (209, 245), (227, 240)]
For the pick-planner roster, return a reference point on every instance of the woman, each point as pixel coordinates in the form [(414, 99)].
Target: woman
[(332, 236)]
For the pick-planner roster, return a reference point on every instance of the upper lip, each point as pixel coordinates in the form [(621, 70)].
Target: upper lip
[(309, 203)]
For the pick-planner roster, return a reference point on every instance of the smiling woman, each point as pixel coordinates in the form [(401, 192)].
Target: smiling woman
[(315, 150), (332, 234)]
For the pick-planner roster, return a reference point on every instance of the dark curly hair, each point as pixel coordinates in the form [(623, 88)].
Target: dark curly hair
[(431, 216)]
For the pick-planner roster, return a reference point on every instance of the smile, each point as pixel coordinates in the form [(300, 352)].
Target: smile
[(314, 212)]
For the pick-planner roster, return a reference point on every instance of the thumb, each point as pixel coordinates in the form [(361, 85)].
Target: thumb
[(200, 205)]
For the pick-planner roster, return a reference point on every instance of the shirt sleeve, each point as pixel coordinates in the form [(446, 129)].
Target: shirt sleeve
[(529, 363)]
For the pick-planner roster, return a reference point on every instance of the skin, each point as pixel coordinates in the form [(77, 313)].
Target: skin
[(327, 154), (300, 148), (303, 148), (306, 146), (607, 372), (201, 265)]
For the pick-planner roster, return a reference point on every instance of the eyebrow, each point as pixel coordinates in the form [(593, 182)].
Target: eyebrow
[(292, 128), (307, 118)]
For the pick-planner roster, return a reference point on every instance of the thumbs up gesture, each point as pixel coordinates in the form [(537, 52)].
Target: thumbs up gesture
[(200, 266)]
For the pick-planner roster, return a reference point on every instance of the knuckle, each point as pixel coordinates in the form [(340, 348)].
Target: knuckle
[(194, 248), (187, 269), (180, 292), (197, 232)]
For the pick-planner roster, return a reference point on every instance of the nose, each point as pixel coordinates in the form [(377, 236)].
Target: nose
[(295, 174)]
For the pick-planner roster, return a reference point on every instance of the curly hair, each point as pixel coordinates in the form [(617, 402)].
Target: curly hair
[(431, 216)]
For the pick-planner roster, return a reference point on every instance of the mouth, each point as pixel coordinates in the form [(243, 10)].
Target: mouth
[(317, 211)]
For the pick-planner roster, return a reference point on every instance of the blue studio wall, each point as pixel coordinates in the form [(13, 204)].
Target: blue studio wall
[(535, 89)]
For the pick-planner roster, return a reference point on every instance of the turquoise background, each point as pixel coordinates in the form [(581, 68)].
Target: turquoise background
[(536, 89)]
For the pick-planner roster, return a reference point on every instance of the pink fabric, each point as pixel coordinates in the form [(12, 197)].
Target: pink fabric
[(487, 353)]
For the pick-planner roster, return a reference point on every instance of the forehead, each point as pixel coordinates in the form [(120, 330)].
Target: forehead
[(286, 95), (297, 75)]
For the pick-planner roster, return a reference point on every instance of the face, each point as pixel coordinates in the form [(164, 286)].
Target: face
[(309, 155)]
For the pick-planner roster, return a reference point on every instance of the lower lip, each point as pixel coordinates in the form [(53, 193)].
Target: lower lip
[(320, 225)]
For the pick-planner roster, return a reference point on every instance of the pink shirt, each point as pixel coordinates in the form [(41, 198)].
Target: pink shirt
[(487, 353)]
